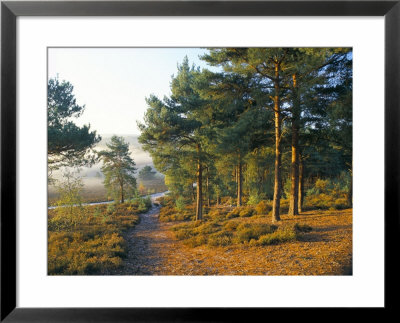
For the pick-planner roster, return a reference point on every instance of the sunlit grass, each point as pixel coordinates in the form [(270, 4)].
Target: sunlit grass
[(90, 240), (226, 225)]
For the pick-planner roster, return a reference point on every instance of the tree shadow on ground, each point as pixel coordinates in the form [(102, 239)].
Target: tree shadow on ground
[(333, 228), (312, 237)]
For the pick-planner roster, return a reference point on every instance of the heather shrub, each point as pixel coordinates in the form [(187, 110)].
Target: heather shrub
[(236, 231), (341, 203), (110, 208), (246, 211), (59, 223), (222, 238), (176, 210), (166, 211), (283, 234), (195, 241), (324, 202), (328, 193), (95, 244), (207, 228), (263, 207), (166, 200), (247, 231), (241, 211), (196, 233), (75, 254), (233, 214), (184, 234), (231, 225), (216, 213)]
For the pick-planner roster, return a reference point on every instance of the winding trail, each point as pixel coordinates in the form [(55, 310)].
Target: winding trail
[(146, 243)]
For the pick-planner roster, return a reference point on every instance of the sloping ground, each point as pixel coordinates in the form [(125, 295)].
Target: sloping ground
[(327, 250)]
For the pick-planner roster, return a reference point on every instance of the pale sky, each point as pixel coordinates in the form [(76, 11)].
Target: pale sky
[(113, 82)]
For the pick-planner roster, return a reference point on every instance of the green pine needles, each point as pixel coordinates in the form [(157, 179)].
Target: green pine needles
[(119, 169)]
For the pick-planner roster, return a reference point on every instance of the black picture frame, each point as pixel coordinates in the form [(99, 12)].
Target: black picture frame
[(10, 10)]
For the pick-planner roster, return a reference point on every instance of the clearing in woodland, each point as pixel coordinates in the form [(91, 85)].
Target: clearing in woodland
[(154, 249)]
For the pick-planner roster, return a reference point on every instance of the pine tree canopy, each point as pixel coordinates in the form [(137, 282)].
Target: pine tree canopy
[(118, 169), (68, 144)]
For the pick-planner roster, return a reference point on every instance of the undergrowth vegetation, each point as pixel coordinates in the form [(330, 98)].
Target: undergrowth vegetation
[(323, 194), (327, 194), (236, 232), (175, 210), (225, 224), (86, 240)]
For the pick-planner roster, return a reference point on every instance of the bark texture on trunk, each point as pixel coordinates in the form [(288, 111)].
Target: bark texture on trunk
[(294, 172), (199, 197), (278, 153), (239, 184), (301, 185), (208, 191), (350, 192), (122, 192)]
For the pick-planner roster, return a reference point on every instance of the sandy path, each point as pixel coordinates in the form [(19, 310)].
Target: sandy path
[(147, 242)]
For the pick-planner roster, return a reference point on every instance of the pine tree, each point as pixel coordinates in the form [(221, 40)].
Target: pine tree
[(233, 118), (147, 173), (119, 169), (311, 69), (68, 144), (267, 67), (175, 129)]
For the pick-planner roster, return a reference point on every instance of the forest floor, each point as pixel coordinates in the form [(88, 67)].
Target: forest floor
[(327, 250)]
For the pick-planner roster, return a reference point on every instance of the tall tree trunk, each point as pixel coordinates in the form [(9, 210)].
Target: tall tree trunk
[(294, 188), (217, 197), (350, 192), (208, 191), (199, 202), (236, 175), (301, 185), (278, 154), (239, 183), (122, 193)]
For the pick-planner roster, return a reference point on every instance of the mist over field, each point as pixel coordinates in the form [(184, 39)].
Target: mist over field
[(92, 177)]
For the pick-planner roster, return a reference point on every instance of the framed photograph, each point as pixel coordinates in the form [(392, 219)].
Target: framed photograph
[(197, 160)]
